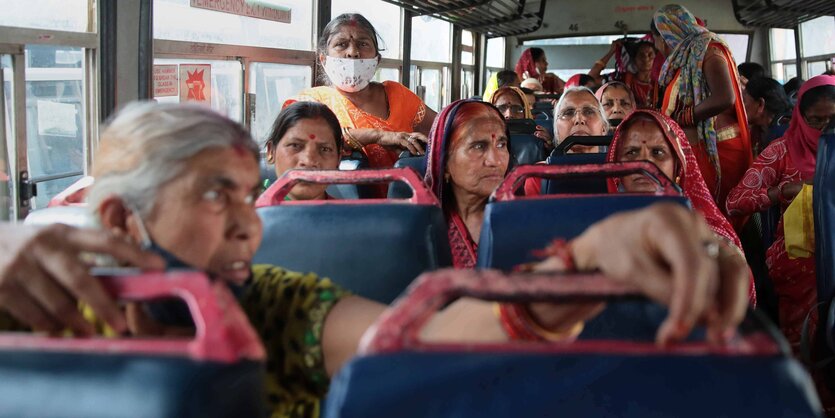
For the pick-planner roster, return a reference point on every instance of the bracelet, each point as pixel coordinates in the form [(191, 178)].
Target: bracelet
[(518, 324), (601, 62), (685, 116), (350, 140), (561, 249)]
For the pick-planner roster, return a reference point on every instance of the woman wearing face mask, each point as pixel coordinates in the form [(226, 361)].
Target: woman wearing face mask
[(379, 119)]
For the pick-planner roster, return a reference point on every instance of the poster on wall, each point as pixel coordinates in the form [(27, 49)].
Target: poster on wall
[(259, 9), (165, 80), (196, 83)]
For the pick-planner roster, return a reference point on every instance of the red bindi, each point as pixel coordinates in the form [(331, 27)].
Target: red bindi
[(312, 136), (493, 136)]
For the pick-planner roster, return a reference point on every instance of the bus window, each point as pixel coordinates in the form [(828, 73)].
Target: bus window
[(385, 17), (272, 84), (224, 91), (383, 74), (5, 139), (738, 44), (783, 54), (818, 38), (432, 54), (431, 80), (64, 15), (55, 118)]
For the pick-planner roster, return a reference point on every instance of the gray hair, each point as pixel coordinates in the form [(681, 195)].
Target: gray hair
[(561, 102), (148, 144)]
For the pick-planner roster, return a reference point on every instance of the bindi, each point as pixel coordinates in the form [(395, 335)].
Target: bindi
[(311, 136), (493, 136)]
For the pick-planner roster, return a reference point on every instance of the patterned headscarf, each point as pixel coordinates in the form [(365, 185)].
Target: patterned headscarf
[(518, 92), (802, 139), (527, 64), (688, 41)]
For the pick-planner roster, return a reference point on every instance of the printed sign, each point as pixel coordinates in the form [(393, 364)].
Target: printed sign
[(165, 80), (196, 83), (259, 9)]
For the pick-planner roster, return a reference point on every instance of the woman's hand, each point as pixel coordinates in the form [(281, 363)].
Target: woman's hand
[(414, 142), (545, 136), (42, 275), (673, 257)]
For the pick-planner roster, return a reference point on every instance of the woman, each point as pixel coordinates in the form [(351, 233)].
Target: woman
[(578, 113), (379, 119), (635, 71), (181, 180), (617, 100), (649, 136), (513, 104), (504, 78), (702, 94), (776, 177), (534, 64), (768, 109), (582, 80), (749, 71), (305, 135)]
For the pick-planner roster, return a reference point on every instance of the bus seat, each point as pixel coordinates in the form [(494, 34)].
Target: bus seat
[(527, 149), (217, 373), (824, 213), (516, 226), (547, 124), (399, 374), (400, 190), (372, 247), (356, 161), (583, 185), (77, 216)]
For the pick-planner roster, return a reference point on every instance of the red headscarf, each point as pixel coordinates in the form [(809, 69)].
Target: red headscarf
[(802, 139), (527, 64), (464, 249), (573, 81)]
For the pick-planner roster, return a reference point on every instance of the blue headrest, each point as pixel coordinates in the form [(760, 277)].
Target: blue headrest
[(527, 149), (356, 161), (513, 229), (582, 185), (400, 190), (373, 250), (824, 212)]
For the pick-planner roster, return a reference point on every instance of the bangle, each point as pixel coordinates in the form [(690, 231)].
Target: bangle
[(601, 63), (518, 324), (561, 249), (685, 116), (350, 140)]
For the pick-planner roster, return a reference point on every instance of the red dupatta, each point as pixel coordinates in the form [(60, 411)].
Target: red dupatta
[(688, 176), (802, 139)]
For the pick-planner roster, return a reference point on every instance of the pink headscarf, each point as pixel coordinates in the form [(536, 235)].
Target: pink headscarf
[(802, 139), (602, 89)]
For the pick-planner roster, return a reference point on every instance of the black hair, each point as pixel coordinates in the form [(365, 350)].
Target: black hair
[(653, 28), (792, 86), (333, 27), (292, 114), (770, 90), (815, 95), (526, 90), (507, 78), (537, 53), (585, 79), (751, 70)]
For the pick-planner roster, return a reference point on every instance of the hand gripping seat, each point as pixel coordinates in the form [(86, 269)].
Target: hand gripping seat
[(514, 226), (397, 374), (217, 373), (372, 247)]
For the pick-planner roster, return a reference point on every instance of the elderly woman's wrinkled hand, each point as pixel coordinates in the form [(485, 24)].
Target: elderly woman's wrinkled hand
[(673, 257), (43, 276), (545, 136), (414, 142)]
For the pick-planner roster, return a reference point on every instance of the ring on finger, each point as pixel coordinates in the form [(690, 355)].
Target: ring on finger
[(711, 248)]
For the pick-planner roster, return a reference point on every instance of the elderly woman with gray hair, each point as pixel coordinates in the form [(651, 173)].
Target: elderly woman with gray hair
[(181, 181)]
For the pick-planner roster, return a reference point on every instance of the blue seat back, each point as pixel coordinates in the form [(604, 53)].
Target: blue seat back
[(527, 149), (824, 214), (356, 161), (582, 185), (515, 227), (400, 190), (373, 248)]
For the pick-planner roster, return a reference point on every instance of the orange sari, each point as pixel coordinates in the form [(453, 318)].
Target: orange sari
[(406, 111)]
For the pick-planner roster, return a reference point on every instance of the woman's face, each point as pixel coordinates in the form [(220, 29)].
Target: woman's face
[(478, 156), (645, 58), (644, 140), (579, 116), (659, 44), (511, 106), (541, 64), (754, 108), (820, 114), (351, 41), (617, 103), (309, 145), (206, 215)]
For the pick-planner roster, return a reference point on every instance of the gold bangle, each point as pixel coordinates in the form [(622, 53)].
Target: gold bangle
[(350, 140), (548, 335), (600, 62)]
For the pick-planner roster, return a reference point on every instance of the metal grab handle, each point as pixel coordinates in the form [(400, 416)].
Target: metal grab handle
[(222, 331), (399, 327), (514, 179), (421, 195), (567, 143)]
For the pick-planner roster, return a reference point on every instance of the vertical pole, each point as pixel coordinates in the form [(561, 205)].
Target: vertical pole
[(406, 50), (455, 77)]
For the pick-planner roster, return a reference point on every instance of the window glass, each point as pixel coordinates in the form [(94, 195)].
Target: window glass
[(431, 81), (738, 45), (566, 74), (181, 20), (782, 45), (789, 71), (384, 16), (6, 201), (818, 37), (272, 84), (467, 58), (225, 92), (383, 74), (431, 39), (777, 72), (65, 15), (467, 38), (55, 117), (816, 68), (48, 189), (467, 87), (575, 40), (495, 52)]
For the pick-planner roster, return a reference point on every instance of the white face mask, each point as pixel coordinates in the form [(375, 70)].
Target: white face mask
[(350, 75)]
